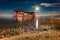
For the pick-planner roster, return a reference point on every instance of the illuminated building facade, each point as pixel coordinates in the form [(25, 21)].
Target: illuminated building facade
[(21, 16)]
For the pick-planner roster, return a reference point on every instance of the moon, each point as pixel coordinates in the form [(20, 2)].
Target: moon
[(37, 8)]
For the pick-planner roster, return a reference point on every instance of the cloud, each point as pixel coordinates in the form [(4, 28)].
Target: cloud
[(50, 4), (47, 14), (6, 16)]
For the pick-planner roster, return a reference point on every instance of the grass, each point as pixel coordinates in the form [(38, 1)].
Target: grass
[(9, 32), (55, 35), (48, 35)]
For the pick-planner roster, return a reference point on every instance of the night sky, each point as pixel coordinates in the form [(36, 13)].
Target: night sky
[(46, 6)]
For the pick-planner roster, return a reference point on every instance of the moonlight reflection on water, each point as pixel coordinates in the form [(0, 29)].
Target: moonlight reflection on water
[(37, 23)]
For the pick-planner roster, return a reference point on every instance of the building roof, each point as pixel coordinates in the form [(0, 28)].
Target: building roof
[(18, 10)]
